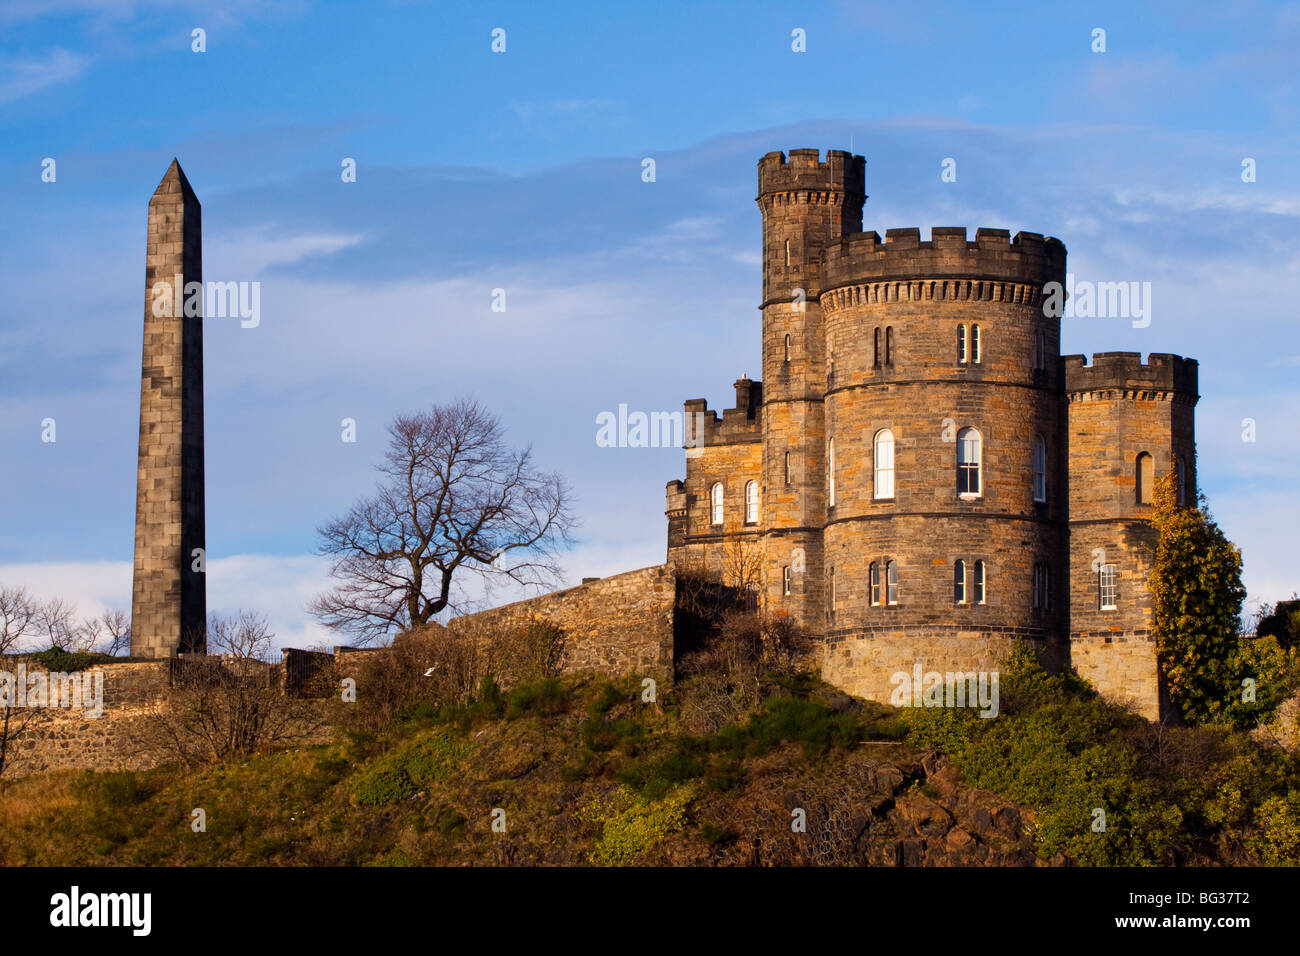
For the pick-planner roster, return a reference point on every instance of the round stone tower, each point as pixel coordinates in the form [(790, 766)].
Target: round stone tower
[(807, 205), (945, 443)]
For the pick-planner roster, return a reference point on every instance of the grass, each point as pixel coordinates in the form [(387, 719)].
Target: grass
[(589, 774)]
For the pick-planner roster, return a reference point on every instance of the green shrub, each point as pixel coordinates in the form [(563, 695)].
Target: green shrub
[(59, 661), (406, 769), (631, 825), (790, 720), (544, 698)]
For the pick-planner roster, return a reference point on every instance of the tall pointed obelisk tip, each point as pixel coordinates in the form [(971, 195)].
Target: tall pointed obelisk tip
[(175, 174)]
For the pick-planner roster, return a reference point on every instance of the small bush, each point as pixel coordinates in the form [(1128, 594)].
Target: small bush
[(58, 661), (407, 769), (631, 825), (544, 698)]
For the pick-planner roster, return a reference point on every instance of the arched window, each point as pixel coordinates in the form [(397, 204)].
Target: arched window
[(787, 347), (830, 462), (975, 344), (1040, 469), (785, 579), (959, 582), (751, 502), (875, 583), (889, 345), (787, 468), (968, 463), (875, 352), (715, 497), (884, 463), (1144, 479), (1182, 481), (891, 582), (978, 582), (961, 344)]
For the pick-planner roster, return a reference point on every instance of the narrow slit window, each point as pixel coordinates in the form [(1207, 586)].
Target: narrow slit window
[(1040, 469), (830, 463)]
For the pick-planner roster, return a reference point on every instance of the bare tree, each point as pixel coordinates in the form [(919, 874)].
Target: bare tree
[(55, 619), (18, 617), (230, 704), (117, 631), (453, 498)]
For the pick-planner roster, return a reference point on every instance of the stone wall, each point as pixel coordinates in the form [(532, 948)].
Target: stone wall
[(613, 626), (67, 739), (863, 661)]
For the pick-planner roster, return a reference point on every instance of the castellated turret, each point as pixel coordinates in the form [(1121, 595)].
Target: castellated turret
[(925, 475), (1129, 421)]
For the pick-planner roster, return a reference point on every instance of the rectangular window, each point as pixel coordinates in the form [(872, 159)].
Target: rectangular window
[(891, 582), (785, 580), (875, 584), (1038, 584), (1108, 587), (961, 344), (979, 582)]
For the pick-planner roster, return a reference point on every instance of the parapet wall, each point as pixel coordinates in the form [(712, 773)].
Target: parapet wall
[(613, 626), (62, 738), (1162, 372), (993, 255), (804, 171)]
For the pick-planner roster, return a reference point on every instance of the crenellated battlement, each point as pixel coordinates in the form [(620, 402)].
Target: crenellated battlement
[(1125, 371), (744, 423), (993, 257), (806, 175)]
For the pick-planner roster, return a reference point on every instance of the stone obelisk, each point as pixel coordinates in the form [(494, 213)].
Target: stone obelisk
[(169, 595)]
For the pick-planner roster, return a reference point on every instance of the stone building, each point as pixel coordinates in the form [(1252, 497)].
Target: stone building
[(921, 477)]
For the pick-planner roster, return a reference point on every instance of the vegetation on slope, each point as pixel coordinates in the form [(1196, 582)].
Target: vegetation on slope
[(581, 771)]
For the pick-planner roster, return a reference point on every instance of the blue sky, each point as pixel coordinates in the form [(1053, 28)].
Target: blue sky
[(522, 170)]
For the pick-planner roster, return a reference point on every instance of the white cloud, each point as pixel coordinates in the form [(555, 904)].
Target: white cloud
[(279, 587), (23, 77)]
